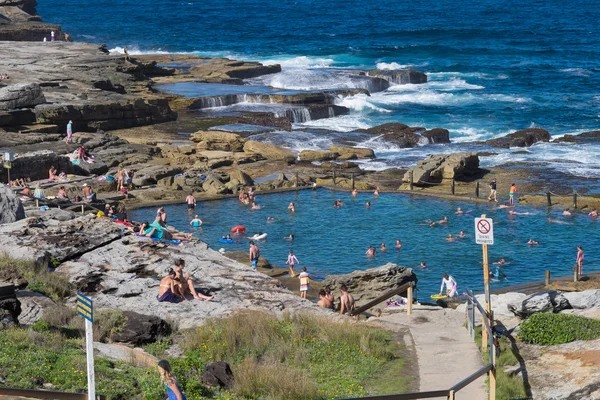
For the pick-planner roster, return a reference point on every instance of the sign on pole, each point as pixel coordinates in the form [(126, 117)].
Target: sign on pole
[(484, 231), (85, 308)]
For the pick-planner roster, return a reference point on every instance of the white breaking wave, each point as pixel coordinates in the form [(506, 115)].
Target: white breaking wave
[(134, 51), (453, 84), (577, 71), (300, 62), (479, 75), (360, 102), (344, 123), (392, 66)]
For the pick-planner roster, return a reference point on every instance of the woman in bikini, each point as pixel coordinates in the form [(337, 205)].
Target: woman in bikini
[(168, 291), (579, 260)]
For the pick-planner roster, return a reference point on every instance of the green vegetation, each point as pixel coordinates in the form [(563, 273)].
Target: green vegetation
[(507, 387), (297, 357), (548, 329), (52, 284)]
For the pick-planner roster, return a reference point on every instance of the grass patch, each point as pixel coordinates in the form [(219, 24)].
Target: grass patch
[(507, 387), (52, 284), (548, 329), (297, 357)]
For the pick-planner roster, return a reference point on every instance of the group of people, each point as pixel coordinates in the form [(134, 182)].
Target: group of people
[(174, 287), (158, 229), (248, 196), (494, 195), (4, 77), (327, 300)]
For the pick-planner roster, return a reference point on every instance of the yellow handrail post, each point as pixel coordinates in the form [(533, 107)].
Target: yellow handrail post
[(409, 295)]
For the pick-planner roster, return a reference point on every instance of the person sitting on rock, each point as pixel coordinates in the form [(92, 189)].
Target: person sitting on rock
[(62, 193), (27, 191), (324, 302), (186, 283), (168, 291), (346, 300), (158, 231)]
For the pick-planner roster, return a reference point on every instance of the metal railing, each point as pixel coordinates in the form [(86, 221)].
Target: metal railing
[(46, 394), (490, 368)]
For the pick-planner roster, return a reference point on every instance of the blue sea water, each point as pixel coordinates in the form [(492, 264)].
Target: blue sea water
[(494, 65), (334, 240)]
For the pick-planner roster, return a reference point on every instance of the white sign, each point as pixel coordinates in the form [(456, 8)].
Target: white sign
[(484, 231)]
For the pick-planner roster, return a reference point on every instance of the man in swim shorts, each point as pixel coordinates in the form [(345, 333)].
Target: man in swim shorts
[(346, 300), (493, 191), (254, 255), (511, 193), (191, 201)]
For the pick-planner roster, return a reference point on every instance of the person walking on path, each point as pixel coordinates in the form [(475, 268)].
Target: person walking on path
[(254, 254), (493, 191), (168, 379), (291, 261), (69, 132), (450, 283), (304, 282), (579, 265), (511, 193)]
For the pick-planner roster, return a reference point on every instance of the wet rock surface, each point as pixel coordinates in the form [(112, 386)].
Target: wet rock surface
[(435, 168), (522, 138)]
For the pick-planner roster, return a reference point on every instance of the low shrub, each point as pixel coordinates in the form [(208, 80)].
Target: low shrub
[(548, 329)]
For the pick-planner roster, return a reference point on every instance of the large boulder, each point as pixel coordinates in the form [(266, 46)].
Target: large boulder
[(151, 175), (499, 302), (585, 299), (368, 284), (351, 153), (217, 374), (585, 137), (435, 168), (269, 151), (10, 307), (218, 140), (522, 138), (405, 136), (437, 135), (550, 301), (317, 155), (141, 329), (21, 96), (241, 177), (213, 185), (34, 305), (11, 208), (400, 77)]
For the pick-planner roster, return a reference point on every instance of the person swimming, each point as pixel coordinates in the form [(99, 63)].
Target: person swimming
[(532, 242), (368, 204), (450, 238), (383, 248), (593, 213), (376, 192), (459, 211), (196, 222), (497, 274), (398, 244), (370, 251), (512, 212), (354, 192), (290, 237), (423, 265), (291, 207), (462, 235), (501, 262), (226, 237), (567, 212), (270, 219), (256, 206)]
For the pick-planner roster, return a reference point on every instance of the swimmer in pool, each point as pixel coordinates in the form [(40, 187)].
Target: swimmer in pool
[(567, 213), (370, 251), (593, 213), (227, 237), (459, 211), (462, 235), (291, 237), (501, 262), (383, 248), (368, 204), (256, 206), (511, 212), (196, 222), (292, 207), (354, 192), (398, 244), (497, 274), (270, 219), (503, 206), (423, 265), (376, 192), (532, 242), (450, 238)]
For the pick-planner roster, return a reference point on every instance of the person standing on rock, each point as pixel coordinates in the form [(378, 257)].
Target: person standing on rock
[(168, 379), (126, 52), (52, 36), (291, 261), (450, 283), (304, 282), (191, 201), (346, 300), (493, 191), (254, 254), (120, 179), (69, 138), (511, 194)]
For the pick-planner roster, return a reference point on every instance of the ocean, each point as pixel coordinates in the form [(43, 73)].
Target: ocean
[(494, 67)]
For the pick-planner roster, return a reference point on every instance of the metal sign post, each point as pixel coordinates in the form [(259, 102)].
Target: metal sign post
[(85, 308), (484, 235)]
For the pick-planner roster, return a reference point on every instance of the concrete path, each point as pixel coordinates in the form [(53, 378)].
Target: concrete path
[(446, 354)]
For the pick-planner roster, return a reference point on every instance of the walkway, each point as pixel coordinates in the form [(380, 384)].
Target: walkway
[(445, 351)]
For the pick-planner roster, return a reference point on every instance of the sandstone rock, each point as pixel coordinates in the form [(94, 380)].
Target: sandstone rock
[(33, 305), (586, 137), (368, 284), (500, 303), (21, 96), (436, 167), (550, 301), (269, 151), (405, 136), (11, 208), (400, 77), (217, 374), (141, 329), (584, 299), (151, 175), (437, 135), (218, 140), (350, 153), (522, 138), (243, 178), (317, 155), (213, 185)]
